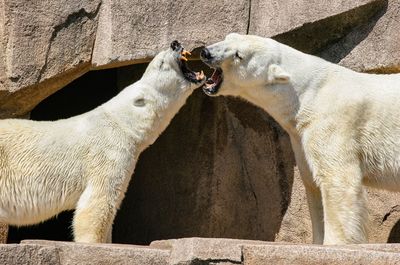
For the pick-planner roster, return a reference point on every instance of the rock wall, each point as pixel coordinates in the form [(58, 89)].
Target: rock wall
[(223, 168)]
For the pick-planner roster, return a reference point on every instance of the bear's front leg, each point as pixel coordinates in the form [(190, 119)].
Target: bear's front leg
[(94, 216), (313, 193), (314, 201), (345, 213), (336, 168)]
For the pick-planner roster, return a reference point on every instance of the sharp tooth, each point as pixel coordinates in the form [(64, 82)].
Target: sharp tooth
[(185, 52), (199, 76)]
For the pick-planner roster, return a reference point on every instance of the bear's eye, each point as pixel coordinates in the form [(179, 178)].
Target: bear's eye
[(139, 102), (238, 56)]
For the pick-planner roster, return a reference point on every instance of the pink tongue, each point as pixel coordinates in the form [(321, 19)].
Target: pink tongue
[(210, 81), (216, 76)]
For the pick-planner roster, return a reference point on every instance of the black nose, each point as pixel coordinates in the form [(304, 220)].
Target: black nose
[(205, 54), (175, 45)]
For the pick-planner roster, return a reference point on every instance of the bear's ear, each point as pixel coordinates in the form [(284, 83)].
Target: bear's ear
[(232, 36), (276, 75)]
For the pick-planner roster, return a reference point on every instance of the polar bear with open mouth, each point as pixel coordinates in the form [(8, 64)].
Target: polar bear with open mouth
[(86, 162), (344, 126)]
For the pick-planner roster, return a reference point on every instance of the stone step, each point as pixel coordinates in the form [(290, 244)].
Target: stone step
[(69, 253), (317, 255), (195, 251), (188, 251)]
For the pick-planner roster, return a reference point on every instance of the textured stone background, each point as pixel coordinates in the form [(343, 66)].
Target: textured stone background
[(223, 168)]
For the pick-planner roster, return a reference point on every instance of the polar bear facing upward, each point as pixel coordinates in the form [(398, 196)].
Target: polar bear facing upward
[(344, 126), (86, 162)]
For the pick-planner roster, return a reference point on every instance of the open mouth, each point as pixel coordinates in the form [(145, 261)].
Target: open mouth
[(213, 83), (191, 76)]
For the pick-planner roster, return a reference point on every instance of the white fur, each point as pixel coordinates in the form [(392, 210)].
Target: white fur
[(344, 126), (86, 162)]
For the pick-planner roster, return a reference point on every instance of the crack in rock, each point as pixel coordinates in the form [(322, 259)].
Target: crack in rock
[(71, 19), (395, 208), (214, 261)]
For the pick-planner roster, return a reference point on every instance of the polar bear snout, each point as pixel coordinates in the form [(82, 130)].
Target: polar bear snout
[(212, 85), (212, 56), (205, 54), (176, 46)]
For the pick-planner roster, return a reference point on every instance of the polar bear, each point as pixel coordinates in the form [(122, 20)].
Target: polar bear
[(344, 126), (86, 162)]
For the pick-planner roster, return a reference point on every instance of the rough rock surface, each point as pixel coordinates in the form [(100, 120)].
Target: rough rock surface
[(132, 31), (43, 46), (223, 168), (296, 222), (373, 47), (275, 17), (194, 251), (3, 233), (316, 255), (63, 253), (311, 25), (188, 250)]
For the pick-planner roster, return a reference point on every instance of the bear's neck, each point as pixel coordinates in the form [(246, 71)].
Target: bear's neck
[(286, 102), (144, 124)]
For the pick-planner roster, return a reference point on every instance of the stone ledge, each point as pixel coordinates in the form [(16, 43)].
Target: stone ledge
[(189, 250), (76, 253), (318, 255), (194, 251)]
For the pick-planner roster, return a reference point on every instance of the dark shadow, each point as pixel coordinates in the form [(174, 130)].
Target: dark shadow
[(335, 52), (394, 235), (313, 38), (223, 168), (58, 228), (82, 95)]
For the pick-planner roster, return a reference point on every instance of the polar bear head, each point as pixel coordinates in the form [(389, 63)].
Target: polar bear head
[(166, 83), (169, 73), (241, 62)]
